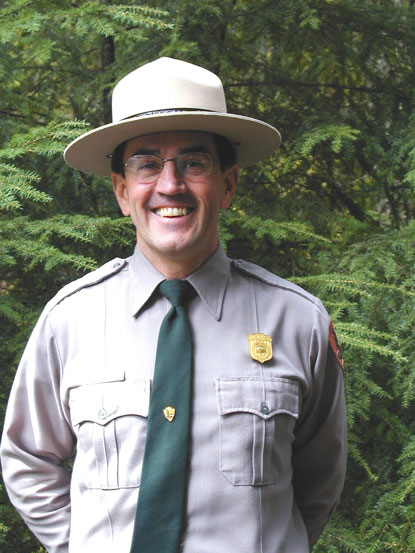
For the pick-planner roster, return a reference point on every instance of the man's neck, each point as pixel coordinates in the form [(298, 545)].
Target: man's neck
[(175, 266)]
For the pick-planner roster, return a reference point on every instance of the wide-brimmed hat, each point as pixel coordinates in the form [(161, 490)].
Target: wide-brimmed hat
[(170, 95)]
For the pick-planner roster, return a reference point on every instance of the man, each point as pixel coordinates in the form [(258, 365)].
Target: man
[(259, 461)]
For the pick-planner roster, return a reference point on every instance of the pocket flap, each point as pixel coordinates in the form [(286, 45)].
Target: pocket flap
[(263, 397), (103, 402)]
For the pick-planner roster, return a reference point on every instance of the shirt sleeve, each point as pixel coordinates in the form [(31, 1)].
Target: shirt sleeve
[(320, 447), (37, 439)]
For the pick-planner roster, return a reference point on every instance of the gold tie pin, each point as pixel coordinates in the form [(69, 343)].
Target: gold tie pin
[(260, 347), (169, 413)]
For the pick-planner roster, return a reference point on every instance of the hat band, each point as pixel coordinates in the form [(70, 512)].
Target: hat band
[(161, 111)]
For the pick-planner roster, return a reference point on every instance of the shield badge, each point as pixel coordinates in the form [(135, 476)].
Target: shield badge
[(260, 347), (169, 413)]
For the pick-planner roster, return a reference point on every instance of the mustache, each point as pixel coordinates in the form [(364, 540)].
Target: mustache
[(176, 200)]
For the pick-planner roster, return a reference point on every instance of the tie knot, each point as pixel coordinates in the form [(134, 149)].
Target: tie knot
[(178, 292)]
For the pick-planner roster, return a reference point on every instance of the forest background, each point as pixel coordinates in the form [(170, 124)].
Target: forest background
[(333, 210)]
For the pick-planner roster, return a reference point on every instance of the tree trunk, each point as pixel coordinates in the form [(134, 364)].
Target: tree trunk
[(107, 58)]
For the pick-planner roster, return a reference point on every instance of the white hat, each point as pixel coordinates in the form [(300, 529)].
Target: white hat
[(170, 95)]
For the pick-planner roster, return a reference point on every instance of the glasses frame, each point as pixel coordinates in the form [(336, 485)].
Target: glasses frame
[(174, 159)]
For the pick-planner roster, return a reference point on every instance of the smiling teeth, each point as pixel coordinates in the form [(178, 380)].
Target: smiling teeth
[(172, 211)]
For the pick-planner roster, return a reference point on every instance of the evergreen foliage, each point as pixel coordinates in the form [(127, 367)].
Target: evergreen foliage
[(333, 211)]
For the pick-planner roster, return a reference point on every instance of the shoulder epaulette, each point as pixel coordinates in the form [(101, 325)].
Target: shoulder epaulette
[(90, 279), (269, 278)]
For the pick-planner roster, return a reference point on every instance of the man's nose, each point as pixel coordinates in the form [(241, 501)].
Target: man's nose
[(170, 180)]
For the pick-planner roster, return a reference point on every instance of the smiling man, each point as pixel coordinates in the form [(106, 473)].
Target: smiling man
[(175, 217), (204, 395)]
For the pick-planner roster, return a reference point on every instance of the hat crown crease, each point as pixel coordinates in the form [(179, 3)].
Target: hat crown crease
[(167, 84)]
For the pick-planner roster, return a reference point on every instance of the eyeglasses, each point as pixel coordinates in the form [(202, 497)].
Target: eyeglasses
[(146, 169)]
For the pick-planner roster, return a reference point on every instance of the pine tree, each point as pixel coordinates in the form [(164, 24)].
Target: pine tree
[(333, 210)]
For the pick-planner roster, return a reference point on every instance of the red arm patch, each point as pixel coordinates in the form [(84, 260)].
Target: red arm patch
[(335, 346)]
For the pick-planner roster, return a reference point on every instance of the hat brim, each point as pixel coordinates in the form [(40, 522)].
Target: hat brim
[(253, 139)]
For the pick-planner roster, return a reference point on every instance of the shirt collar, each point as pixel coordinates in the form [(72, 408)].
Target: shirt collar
[(209, 280)]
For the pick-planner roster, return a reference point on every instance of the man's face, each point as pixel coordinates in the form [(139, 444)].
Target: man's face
[(183, 237)]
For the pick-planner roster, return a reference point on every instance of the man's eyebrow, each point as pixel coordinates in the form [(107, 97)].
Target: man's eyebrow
[(146, 152), (195, 148), (184, 150)]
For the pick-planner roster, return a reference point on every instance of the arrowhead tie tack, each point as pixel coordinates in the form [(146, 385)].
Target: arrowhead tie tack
[(169, 413)]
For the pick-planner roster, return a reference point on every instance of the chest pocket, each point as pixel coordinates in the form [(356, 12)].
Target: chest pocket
[(110, 420), (257, 418)]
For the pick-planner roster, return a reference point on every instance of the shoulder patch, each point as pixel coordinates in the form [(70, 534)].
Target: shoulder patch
[(269, 278), (90, 279), (335, 346)]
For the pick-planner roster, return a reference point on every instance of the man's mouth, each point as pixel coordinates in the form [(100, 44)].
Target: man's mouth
[(173, 211)]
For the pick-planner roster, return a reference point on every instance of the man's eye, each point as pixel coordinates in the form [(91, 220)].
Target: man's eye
[(194, 162), (147, 164)]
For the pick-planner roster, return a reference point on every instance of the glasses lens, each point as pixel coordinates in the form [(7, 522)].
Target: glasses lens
[(194, 164), (145, 167)]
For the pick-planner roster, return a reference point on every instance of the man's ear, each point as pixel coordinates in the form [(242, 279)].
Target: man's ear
[(231, 182), (121, 192)]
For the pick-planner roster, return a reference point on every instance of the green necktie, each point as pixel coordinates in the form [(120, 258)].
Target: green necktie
[(158, 519)]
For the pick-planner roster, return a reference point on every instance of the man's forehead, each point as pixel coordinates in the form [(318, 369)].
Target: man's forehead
[(170, 139)]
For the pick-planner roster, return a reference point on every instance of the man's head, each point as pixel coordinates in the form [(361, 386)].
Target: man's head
[(173, 187), (167, 108)]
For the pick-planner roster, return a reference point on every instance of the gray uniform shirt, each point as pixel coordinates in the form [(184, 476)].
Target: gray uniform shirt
[(267, 441)]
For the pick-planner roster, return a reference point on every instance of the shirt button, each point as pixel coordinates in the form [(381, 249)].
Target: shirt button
[(102, 414), (264, 408)]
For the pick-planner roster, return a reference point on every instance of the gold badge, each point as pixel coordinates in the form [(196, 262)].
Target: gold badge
[(260, 347), (169, 413)]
